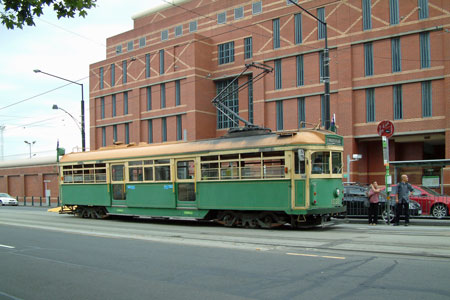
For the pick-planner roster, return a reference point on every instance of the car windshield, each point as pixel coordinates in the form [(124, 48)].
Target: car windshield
[(428, 190), (5, 195)]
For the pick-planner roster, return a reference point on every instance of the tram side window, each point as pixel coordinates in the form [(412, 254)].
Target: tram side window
[(229, 170), (210, 167), (336, 161), (148, 170), (162, 172), (273, 164), (135, 172), (186, 169), (320, 163), (84, 173), (300, 162)]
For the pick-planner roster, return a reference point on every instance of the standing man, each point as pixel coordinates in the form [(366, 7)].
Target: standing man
[(402, 201)]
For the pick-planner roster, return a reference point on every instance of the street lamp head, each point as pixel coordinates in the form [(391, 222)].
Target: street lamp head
[(55, 106), (37, 71)]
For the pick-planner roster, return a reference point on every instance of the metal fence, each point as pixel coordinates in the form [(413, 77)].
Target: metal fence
[(38, 201)]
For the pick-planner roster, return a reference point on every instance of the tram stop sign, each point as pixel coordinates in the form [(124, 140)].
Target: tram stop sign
[(385, 128)]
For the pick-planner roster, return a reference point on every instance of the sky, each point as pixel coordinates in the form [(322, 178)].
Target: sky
[(65, 48)]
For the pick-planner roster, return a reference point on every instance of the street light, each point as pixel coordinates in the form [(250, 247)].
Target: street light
[(29, 144), (356, 157), (73, 118), (326, 71), (83, 134)]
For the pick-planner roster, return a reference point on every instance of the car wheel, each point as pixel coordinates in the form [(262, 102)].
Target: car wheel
[(439, 211), (391, 215)]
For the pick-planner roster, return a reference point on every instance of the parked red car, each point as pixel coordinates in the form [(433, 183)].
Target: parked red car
[(432, 203)]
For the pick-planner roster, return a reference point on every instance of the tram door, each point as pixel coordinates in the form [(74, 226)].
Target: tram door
[(185, 186), (118, 191), (301, 180)]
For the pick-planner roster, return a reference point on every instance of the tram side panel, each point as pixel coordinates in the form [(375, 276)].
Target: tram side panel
[(85, 194), (245, 195)]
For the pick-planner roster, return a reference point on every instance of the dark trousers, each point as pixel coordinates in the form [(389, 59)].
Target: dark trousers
[(373, 213), (401, 208)]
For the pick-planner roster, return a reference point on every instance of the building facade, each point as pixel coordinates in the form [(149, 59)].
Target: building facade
[(389, 60)]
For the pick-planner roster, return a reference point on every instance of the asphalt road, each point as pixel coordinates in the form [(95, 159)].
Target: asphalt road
[(49, 256)]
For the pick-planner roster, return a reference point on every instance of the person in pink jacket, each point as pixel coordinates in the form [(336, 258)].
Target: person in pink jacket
[(374, 191)]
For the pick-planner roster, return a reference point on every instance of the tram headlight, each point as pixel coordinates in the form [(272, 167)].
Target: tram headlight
[(337, 192)]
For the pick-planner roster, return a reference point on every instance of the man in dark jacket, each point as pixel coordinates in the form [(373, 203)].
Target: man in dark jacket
[(402, 201)]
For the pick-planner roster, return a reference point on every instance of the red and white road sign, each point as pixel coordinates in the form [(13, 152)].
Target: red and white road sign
[(385, 128)]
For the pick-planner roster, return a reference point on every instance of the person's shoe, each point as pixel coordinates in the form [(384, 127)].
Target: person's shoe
[(406, 224), (395, 224)]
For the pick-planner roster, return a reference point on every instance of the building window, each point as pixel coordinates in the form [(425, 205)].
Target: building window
[(396, 55), (323, 108), (102, 78), (257, 7), (239, 13), (398, 102), (102, 105), (320, 26), (425, 59), (426, 99), (300, 72), (164, 35), (149, 98), (130, 46), (367, 14), (179, 129), (103, 136), (423, 9), (119, 49), (142, 42), (222, 18), (164, 129), (127, 133), (124, 71), (125, 103), (277, 70), (394, 14), (288, 2), (161, 61), (248, 48), (114, 111), (368, 59), (250, 98), (301, 112), (298, 28), (114, 133), (321, 66), (370, 105), (147, 65), (193, 26), (276, 33), (179, 30), (279, 111), (231, 101), (163, 95), (177, 92), (226, 53), (113, 74), (150, 131)]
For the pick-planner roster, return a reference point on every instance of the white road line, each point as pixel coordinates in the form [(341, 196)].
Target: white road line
[(6, 246)]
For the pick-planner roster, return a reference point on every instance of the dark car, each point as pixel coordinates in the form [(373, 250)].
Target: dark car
[(356, 201), (431, 202)]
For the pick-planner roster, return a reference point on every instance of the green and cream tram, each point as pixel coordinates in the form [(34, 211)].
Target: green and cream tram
[(261, 180)]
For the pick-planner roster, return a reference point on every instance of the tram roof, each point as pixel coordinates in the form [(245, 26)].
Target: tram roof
[(302, 137)]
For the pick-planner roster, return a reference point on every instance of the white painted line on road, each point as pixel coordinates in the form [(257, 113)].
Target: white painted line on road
[(315, 255), (6, 246)]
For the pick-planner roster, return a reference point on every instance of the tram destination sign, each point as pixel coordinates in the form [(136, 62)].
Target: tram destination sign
[(385, 128)]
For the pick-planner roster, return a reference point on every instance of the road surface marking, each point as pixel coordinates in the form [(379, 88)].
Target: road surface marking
[(314, 255), (6, 246)]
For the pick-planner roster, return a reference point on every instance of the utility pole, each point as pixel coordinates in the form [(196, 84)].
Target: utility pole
[(326, 69), (2, 154)]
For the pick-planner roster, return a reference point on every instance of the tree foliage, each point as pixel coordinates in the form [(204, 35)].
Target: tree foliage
[(17, 13)]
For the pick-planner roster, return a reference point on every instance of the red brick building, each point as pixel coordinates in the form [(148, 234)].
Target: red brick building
[(389, 60)]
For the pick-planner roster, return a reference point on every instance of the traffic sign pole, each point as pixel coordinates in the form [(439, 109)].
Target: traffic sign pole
[(386, 130)]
